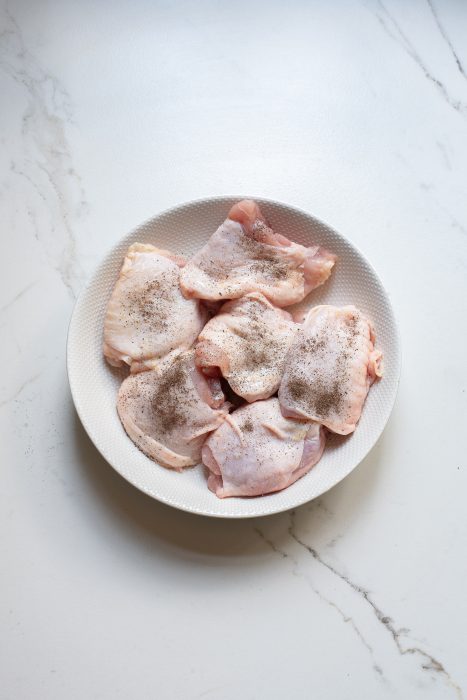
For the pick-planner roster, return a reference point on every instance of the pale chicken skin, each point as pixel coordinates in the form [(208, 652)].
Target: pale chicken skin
[(245, 255), (258, 451), (330, 367), (147, 315), (247, 343), (169, 411)]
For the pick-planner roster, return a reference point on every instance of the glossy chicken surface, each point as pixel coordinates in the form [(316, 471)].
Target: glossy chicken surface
[(258, 451), (147, 315), (245, 255), (168, 411), (330, 367), (247, 342)]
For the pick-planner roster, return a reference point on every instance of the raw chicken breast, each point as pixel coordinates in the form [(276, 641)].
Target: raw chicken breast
[(245, 255), (147, 315), (330, 367), (168, 411), (258, 451), (247, 343)]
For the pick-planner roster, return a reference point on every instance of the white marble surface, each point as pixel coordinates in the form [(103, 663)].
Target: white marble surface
[(111, 112)]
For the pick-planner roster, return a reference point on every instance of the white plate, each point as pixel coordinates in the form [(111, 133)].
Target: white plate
[(94, 384)]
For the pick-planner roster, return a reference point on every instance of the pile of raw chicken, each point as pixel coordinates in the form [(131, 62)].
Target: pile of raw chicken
[(220, 373)]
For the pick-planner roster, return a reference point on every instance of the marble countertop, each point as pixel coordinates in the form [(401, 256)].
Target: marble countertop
[(111, 112)]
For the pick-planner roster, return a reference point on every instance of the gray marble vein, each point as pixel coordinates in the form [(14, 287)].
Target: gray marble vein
[(429, 189), (455, 223), (18, 391), (445, 155), (17, 296), (427, 661), (393, 29), (446, 38), (345, 618), (45, 163)]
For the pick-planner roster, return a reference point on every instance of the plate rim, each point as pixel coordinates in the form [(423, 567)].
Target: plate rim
[(172, 210)]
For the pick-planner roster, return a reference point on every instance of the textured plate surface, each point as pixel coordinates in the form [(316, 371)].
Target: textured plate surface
[(94, 384)]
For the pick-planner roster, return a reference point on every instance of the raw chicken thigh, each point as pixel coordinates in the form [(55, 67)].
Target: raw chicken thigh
[(245, 255), (247, 343), (229, 298), (168, 411), (259, 451), (330, 367), (147, 315)]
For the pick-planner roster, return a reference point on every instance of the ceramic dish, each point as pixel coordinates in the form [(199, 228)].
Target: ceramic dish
[(94, 384)]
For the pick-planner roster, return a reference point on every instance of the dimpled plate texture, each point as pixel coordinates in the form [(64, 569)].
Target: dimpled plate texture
[(94, 384)]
